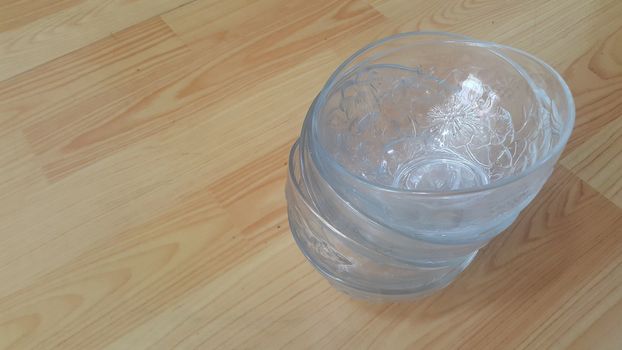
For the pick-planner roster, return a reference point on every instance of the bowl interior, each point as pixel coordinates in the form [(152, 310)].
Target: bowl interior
[(436, 116)]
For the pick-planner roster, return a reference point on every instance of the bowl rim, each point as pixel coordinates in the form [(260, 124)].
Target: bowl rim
[(451, 37)]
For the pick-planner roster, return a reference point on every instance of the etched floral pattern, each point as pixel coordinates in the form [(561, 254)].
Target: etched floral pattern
[(472, 122), (455, 124), (384, 118)]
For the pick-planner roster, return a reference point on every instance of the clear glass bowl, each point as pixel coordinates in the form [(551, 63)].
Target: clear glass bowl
[(421, 147), (360, 270)]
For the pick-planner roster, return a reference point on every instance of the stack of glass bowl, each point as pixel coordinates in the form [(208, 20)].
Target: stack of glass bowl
[(420, 148)]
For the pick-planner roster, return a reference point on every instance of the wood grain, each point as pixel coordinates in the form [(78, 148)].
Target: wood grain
[(32, 33), (143, 154), (600, 155), (104, 96)]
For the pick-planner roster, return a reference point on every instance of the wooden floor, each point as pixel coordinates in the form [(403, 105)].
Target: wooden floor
[(143, 153)]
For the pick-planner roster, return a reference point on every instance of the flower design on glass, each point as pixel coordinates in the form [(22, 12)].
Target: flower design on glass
[(470, 117), (454, 123)]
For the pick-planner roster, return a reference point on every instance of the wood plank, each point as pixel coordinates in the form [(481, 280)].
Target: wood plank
[(595, 78), (260, 40), (594, 151), (558, 23), (16, 13), (598, 159), (80, 108), (269, 30), (50, 107), (124, 279), (32, 33), (604, 333)]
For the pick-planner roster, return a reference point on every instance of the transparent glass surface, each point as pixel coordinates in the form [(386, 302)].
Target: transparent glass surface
[(421, 147), (358, 269)]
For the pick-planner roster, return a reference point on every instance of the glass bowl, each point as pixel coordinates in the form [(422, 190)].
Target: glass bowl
[(420, 148)]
